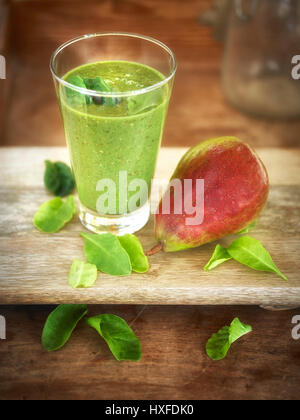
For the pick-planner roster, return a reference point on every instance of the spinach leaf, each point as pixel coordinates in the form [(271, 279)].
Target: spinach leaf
[(82, 274), (119, 337), (58, 178), (95, 83), (67, 181), (134, 249), (74, 97), (219, 256), (248, 228), (60, 324), (54, 214), (51, 177), (105, 251), (238, 329), (99, 85), (250, 252), (218, 345)]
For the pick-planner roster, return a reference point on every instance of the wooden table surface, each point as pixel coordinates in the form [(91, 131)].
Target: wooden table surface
[(262, 365), (39, 276)]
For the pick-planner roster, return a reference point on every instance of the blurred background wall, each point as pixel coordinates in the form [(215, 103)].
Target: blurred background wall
[(30, 30)]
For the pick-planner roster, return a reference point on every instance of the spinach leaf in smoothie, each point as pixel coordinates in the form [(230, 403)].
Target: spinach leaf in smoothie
[(119, 337), (134, 249), (218, 345), (219, 256), (96, 83), (54, 214), (105, 251), (82, 274), (250, 252), (60, 324), (58, 178), (73, 96), (99, 85)]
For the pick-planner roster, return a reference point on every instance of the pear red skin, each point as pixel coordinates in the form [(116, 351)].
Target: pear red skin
[(236, 189)]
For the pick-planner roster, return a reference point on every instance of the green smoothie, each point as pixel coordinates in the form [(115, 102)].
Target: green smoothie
[(109, 135)]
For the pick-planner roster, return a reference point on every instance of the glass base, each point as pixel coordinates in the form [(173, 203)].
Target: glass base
[(118, 225)]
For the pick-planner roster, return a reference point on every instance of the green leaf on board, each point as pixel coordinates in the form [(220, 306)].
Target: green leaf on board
[(105, 251), (67, 181), (51, 177), (250, 252), (134, 249), (238, 329), (54, 214), (219, 256), (119, 337), (82, 274), (218, 345), (58, 178), (248, 228), (60, 324)]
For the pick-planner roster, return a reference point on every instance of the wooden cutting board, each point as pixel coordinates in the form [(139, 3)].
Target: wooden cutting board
[(34, 266)]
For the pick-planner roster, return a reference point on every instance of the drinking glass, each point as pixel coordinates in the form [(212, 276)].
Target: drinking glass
[(113, 136)]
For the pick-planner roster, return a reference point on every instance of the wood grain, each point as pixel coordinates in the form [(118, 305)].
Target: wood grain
[(262, 365), (34, 266), (198, 109), (5, 51)]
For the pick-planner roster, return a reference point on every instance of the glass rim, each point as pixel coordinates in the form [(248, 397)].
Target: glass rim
[(113, 94)]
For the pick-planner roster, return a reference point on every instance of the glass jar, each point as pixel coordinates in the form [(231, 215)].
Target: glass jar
[(262, 38)]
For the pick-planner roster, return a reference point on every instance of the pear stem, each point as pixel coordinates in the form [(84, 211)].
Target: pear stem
[(155, 250)]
